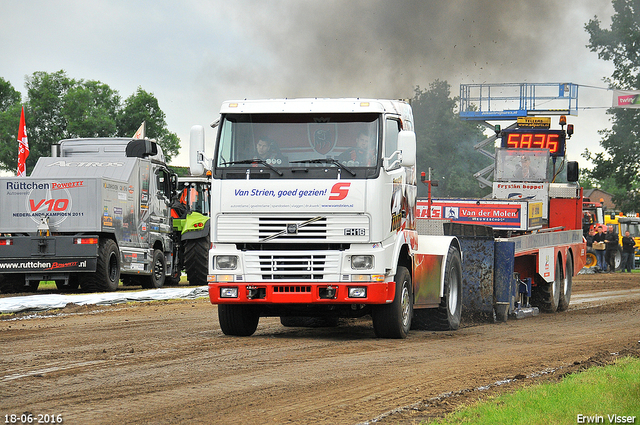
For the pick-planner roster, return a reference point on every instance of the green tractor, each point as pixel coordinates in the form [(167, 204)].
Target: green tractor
[(190, 213)]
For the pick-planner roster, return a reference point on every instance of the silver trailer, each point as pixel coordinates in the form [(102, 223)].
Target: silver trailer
[(93, 211)]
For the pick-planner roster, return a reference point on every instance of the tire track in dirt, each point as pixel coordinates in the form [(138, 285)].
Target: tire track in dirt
[(169, 363)]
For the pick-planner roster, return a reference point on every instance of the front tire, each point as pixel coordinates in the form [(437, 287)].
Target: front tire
[(158, 271), (238, 319), (394, 320)]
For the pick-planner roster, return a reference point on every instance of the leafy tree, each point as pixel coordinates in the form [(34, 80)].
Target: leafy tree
[(621, 159), (8, 95), (58, 107), (9, 122), (143, 107), (445, 143)]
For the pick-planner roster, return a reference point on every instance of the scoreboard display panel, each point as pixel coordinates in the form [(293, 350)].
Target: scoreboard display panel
[(554, 140)]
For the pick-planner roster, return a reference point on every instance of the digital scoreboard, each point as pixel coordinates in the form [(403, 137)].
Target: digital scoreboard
[(554, 140)]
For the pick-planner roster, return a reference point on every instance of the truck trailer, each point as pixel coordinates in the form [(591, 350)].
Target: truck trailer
[(96, 211), (326, 225)]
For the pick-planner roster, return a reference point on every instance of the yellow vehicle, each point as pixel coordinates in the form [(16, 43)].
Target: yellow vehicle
[(621, 224)]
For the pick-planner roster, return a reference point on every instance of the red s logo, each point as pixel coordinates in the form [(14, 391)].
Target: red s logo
[(339, 191)]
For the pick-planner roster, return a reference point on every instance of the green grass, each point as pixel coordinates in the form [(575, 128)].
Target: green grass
[(601, 391)]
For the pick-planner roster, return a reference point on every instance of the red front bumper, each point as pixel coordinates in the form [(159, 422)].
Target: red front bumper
[(302, 293)]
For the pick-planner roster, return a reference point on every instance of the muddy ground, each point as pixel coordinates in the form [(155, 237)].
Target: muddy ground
[(168, 362)]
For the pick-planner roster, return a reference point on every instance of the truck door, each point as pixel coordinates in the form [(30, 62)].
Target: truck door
[(160, 198)]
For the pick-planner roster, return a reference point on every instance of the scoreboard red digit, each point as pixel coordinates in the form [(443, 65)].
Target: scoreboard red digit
[(554, 140)]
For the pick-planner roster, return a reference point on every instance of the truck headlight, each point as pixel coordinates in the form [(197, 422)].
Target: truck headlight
[(229, 292), (362, 262), (226, 262)]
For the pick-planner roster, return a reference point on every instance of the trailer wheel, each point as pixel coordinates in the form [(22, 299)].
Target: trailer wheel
[(565, 294), (592, 260), (196, 259), (106, 278), (547, 295), (158, 270), (394, 320), (238, 319)]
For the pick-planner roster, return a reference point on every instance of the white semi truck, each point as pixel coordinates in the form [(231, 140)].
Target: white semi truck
[(96, 211), (323, 226)]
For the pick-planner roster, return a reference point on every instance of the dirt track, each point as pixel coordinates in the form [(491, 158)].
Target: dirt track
[(168, 362)]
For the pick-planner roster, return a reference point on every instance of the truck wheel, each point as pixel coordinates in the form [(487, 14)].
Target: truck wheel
[(448, 314), (592, 260), (196, 260), (394, 320), (238, 319), (12, 283), (158, 270), (565, 294), (107, 275), (547, 295)]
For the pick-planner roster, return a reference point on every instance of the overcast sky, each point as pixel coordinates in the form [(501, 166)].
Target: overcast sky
[(193, 54)]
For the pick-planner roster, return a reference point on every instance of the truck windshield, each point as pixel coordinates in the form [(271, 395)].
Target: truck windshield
[(526, 165), (298, 140)]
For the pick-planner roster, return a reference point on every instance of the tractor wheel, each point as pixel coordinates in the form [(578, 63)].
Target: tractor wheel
[(592, 260), (196, 260)]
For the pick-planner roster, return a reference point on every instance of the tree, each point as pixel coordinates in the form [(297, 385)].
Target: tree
[(58, 107), (143, 107), (9, 122), (445, 143), (621, 159)]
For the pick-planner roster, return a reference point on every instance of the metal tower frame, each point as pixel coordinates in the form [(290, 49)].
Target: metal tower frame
[(508, 101)]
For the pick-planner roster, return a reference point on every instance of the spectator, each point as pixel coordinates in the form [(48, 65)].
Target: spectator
[(599, 248), (628, 252), (589, 237), (611, 239)]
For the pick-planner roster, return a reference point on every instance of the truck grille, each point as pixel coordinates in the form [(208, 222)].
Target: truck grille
[(294, 266), (249, 228)]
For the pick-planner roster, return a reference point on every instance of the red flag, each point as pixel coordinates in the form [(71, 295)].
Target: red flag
[(23, 147)]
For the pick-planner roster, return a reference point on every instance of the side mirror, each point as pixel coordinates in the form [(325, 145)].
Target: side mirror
[(196, 147), (407, 144), (573, 172)]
